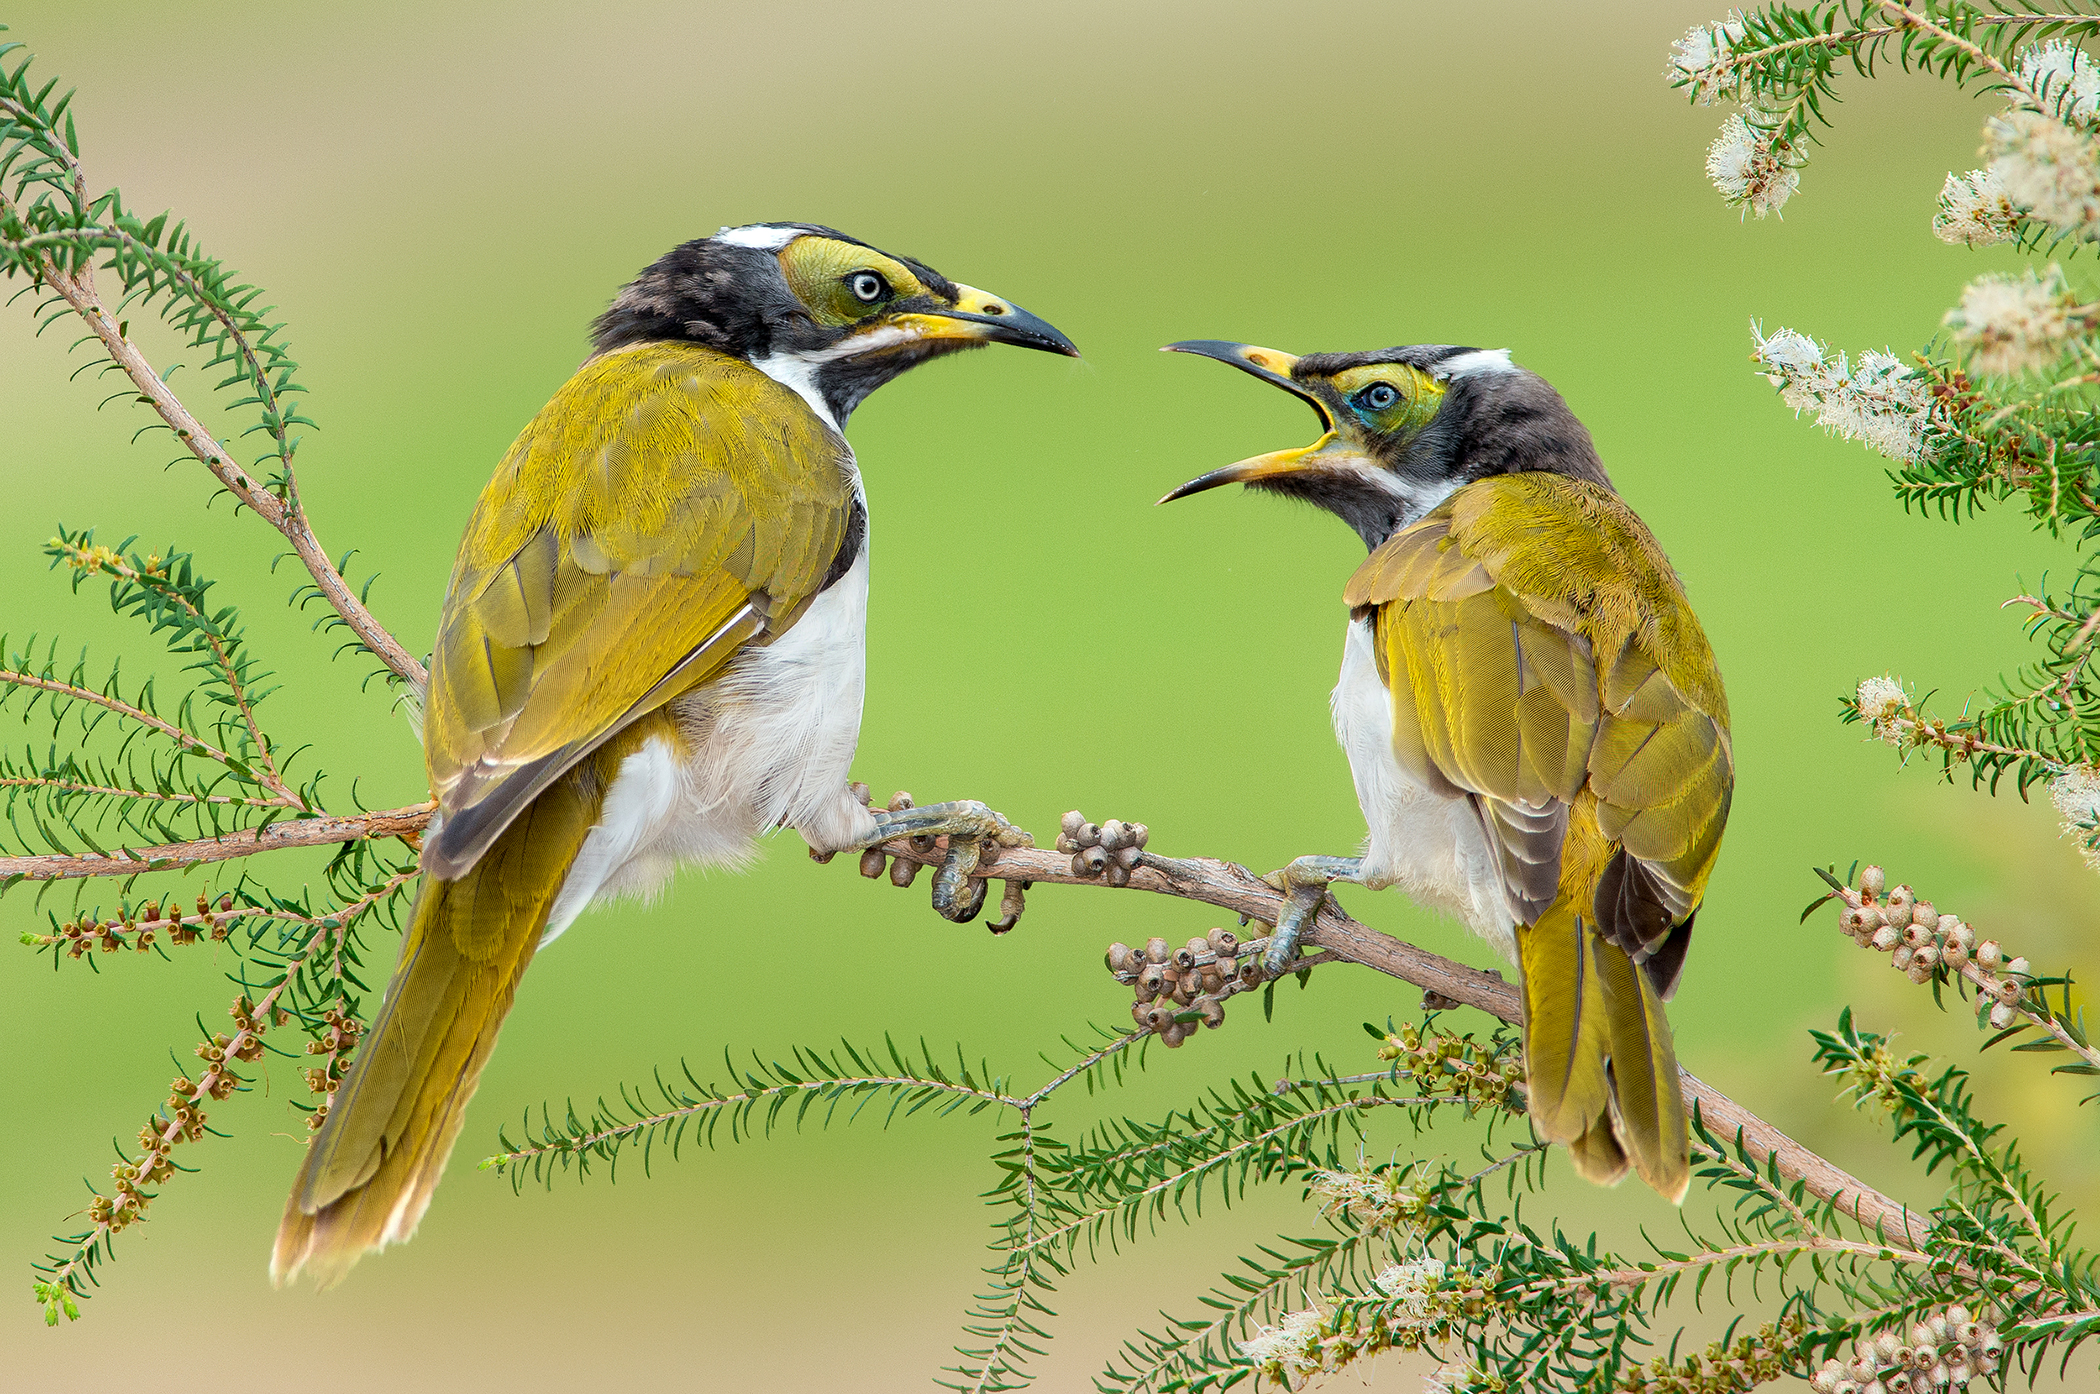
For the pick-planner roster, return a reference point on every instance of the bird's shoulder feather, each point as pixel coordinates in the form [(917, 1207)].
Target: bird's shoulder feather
[(668, 506), (1543, 658)]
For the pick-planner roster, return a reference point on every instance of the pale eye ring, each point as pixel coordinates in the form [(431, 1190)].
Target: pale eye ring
[(1379, 396), (867, 286)]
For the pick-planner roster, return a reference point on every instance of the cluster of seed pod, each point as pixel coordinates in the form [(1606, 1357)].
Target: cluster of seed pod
[(136, 927), (1109, 850), (1920, 941), (335, 1044), (1946, 1350), (1192, 981)]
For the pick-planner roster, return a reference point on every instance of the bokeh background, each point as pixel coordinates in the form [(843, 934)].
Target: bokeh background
[(439, 197)]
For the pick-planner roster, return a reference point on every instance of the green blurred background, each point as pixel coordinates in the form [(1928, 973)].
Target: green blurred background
[(439, 197)]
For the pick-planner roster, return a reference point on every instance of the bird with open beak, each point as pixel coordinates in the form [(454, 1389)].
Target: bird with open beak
[(1533, 717)]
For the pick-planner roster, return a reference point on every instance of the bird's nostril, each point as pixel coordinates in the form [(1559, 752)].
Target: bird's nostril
[(995, 309)]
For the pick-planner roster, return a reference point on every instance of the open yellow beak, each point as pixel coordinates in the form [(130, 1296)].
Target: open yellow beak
[(979, 317), (1328, 450)]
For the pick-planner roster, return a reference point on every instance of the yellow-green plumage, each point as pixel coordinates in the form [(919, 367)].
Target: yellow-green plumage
[(1543, 660), (668, 508)]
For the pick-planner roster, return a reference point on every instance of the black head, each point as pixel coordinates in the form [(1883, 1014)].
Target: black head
[(814, 308), (1405, 427)]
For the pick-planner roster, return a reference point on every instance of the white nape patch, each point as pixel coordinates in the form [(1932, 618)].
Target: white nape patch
[(758, 236), (1429, 844), (635, 809), (798, 371), (769, 745), (1480, 361)]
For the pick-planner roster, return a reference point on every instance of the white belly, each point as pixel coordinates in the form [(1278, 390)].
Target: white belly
[(771, 743), (1429, 844)]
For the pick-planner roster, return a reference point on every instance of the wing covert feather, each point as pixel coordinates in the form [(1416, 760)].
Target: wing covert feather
[(669, 505), (1537, 644)]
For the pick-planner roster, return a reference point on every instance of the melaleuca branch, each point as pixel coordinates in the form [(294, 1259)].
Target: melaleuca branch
[(182, 1117), (320, 831), (52, 232)]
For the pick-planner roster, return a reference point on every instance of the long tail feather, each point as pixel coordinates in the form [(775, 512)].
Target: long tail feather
[(1597, 1156), (370, 1171), (1565, 1033), (1650, 1114)]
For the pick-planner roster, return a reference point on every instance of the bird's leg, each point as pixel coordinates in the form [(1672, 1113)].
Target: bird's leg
[(1304, 885), (969, 826)]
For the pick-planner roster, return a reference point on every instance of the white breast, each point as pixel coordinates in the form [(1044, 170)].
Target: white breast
[(771, 742), (1431, 845)]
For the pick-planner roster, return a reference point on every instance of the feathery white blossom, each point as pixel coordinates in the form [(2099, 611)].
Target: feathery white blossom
[(1452, 1379), (2047, 169), (1374, 1199), (2076, 794), (1749, 166), (1878, 401), (2066, 79), (1412, 1286), (1975, 210), (1881, 701), (2010, 324), (1699, 60), (1293, 1347)]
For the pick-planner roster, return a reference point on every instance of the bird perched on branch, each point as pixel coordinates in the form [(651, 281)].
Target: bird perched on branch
[(1533, 717), (652, 651)]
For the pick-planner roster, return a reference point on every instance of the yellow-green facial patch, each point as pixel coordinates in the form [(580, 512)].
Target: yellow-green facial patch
[(842, 283), (1392, 400)]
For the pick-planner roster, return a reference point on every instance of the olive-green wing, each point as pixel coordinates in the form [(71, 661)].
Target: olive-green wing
[(669, 506), (1538, 645)]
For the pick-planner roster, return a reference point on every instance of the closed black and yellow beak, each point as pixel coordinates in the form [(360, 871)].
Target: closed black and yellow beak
[(1274, 367), (980, 317)]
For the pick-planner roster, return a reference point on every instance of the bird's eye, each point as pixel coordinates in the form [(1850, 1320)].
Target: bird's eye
[(1379, 396), (867, 287)]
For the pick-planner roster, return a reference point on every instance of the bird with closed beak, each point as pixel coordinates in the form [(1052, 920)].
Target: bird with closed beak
[(1532, 715), (651, 653)]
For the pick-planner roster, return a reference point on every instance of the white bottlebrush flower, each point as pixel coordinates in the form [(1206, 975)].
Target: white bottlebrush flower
[(1750, 167), (1975, 210), (2064, 77), (1699, 60), (2076, 794), (2047, 169), (1878, 400), (1882, 701), (1412, 1286), (2010, 324), (1374, 1199), (1293, 1348)]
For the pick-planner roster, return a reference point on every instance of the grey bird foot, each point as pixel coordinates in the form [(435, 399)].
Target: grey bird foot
[(975, 834), (1304, 885)]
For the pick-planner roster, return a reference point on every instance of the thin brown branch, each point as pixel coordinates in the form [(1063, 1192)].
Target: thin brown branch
[(1236, 890), (101, 558), (186, 1106), (171, 856), (78, 291), (74, 786), (75, 692)]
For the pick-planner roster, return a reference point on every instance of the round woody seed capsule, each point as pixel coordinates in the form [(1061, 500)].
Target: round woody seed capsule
[(2002, 1016), (1987, 954), (1213, 1011), (871, 863), (1884, 938), (2019, 968), (1120, 958), (1118, 874), (1918, 973), (1174, 1035), (1139, 835), (1901, 958), (1213, 978), (1090, 862), (1112, 834), (1088, 835), (1954, 955), (1948, 924), (903, 872), (1072, 822), (1141, 1013), (1198, 947), (1152, 981), (1873, 880), (1225, 942), (1923, 913), (1156, 950), (1901, 899), (1250, 971), (1886, 1348), (1159, 1015), (1924, 956)]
